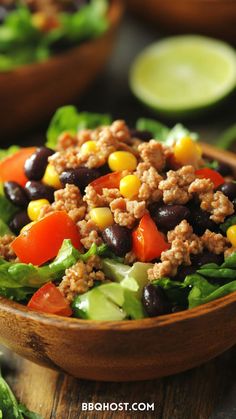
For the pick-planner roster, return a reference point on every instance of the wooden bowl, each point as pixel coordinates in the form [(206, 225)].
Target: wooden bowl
[(126, 350), (32, 93), (209, 17)]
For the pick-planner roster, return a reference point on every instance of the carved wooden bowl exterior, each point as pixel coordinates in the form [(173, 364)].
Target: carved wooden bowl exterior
[(190, 16), (127, 350), (32, 93)]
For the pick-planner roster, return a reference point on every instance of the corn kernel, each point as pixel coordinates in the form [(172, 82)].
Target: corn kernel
[(90, 147), (39, 20), (35, 207), (51, 177), (187, 151), (122, 160), (231, 235), (26, 227), (102, 217), (129, 186)]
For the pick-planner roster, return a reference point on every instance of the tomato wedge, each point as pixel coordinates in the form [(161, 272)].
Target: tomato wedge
[(207, 173), (111, 180), (49, 299), (12, 167), (148, 241), (42, 240)]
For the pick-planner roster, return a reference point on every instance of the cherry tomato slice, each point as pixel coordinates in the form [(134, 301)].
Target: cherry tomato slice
[(49, 299), (148, 241), (42, 240), (207, 173), (111, 180), (12, 167)]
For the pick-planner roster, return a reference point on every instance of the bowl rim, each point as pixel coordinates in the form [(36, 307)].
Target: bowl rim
[(114, 14), (75, 324)]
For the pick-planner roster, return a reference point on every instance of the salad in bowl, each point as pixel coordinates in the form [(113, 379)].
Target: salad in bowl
[(33, 30), (108, 222)]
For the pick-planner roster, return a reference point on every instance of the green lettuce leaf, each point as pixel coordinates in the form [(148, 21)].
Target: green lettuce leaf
[(8, 151), (7, 209), (158, 130), (164, 134), (203, 292), (68, 119), (4, 229)]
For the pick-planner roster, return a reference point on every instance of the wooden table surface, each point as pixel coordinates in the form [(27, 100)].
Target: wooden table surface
[(205, 392)]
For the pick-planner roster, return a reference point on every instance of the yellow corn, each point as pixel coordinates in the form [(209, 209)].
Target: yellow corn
[(187, 151), (231, 234), (39, 20), (35, 207), (51, 177), (90, 147), (102, 217), (129, 186), (122, 160)]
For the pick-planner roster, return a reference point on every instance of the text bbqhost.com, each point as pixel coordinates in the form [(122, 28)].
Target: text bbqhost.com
[(116, 407)]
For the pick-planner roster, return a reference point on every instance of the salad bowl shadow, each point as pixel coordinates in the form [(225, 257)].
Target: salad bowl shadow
[(30, 94), (126, 350)]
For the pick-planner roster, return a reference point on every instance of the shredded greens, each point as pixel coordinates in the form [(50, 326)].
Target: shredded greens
[(21, 42)]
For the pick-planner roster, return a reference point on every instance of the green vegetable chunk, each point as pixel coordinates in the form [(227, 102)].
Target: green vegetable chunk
[(68, 119), (108, 302)]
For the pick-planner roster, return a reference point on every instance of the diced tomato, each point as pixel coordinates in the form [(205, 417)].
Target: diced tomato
[(148, 241), (49, 299), (43, 239), (111, 180), (207, 173), (12, 167)]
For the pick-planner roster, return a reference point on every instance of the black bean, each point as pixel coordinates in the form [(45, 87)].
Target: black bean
[(16, 194), (143, 135), (81, 177), (155, 301), (206, 257), (19, 221), (224, 169), (184, 271), (228, 189), (36, 164), (37, 190), (118, 239), (200, 221), (168, 217)]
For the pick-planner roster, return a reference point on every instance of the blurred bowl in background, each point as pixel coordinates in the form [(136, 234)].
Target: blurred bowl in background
[(31, 94), (209, 17)]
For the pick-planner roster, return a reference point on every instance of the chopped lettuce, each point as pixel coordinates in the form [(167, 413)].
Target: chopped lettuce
[(158, 130), (7, 209), (70, 120), (4, 229), (9, 406), (19, 280), (203, 292)]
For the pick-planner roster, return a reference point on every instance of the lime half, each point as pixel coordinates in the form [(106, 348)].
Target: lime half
[(183, 74)]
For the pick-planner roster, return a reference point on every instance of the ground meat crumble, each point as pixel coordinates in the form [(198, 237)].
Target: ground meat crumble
[(6, 251), (175, 186), (80, 277)]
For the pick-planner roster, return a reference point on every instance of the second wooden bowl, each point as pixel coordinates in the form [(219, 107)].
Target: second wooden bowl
[(127, 350), (209, 17), (32, 93)]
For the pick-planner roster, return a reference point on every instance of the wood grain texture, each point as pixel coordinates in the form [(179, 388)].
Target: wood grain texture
[(190, 16), (32, 93), (202, 393)]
